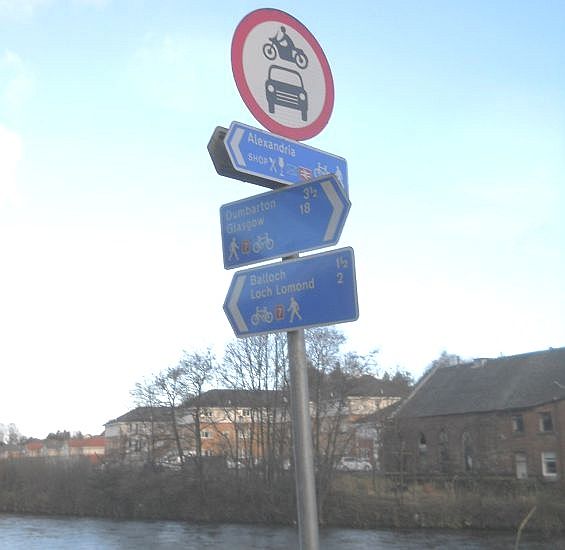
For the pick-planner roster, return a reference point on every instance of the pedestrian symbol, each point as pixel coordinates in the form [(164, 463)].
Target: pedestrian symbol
[(294, 309), (233, 249)]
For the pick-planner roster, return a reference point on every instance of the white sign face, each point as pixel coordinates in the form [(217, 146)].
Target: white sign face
[(282, 74)]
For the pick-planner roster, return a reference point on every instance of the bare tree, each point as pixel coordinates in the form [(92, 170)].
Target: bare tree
[(196, 370), (332, 377), (170, 392), (444, 360), (10, 434), (154, 433), (258, 365), (322, 349)]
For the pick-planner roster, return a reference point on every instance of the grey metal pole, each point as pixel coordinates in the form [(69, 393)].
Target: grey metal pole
[(302, 437)]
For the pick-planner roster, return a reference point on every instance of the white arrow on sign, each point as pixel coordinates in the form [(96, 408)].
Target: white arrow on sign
[(232, 304), (337, 205), (234, 142)]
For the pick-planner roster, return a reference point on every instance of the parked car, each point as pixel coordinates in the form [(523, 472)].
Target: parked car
[(233, 464), (171, 462), (352, 464)]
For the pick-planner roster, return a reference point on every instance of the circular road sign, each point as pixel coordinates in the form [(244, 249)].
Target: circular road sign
[(282, 74)]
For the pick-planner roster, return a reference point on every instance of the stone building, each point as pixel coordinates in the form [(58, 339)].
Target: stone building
[(489, 417)]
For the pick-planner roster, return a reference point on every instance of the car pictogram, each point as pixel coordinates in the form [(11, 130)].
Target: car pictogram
[(285, 87)]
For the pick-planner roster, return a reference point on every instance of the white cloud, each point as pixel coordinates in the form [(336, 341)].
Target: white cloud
[(10, 157), (16, 81)]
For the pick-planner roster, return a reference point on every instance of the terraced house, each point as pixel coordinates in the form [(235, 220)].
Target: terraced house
[(236, 424), (92, 448), (247, 427)]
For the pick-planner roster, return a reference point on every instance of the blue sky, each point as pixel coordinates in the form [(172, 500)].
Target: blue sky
[(451, 116)]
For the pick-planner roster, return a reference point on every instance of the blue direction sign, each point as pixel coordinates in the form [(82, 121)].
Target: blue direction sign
[(269, 156), (310, 291), (280, 223)]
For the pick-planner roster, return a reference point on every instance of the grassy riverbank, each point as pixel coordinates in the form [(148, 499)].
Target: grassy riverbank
[(363, 501), (451, 504)]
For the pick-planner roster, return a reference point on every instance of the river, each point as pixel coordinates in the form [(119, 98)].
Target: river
[(57, 533)]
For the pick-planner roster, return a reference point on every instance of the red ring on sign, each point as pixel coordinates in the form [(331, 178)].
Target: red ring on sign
[(247, 24)]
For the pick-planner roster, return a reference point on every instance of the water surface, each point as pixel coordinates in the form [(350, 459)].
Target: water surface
[(57, 533)]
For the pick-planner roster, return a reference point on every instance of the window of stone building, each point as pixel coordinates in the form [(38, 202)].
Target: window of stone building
[(467, 451), (205, 434), (422, 451), (521, 463), (422, 444), (549, 464), (545, 422), (443, 448), (517, 423), (443, 438)]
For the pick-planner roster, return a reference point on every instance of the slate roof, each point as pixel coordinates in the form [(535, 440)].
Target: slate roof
[(212, 398), (505, 383), (235, 398), (143, 414), (369, 386)]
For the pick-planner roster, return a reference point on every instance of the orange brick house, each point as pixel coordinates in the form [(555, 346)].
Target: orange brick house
[(93, 447), (232, 424), (243, 425)]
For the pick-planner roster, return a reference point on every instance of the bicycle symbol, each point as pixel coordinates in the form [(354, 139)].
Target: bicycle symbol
[(261, 314), (263, 242), (321, 170)]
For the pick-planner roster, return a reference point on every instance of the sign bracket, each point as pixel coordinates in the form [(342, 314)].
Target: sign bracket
[(224, 166)]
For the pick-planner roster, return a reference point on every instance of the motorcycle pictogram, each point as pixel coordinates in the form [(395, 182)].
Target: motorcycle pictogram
[(285, 49)]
